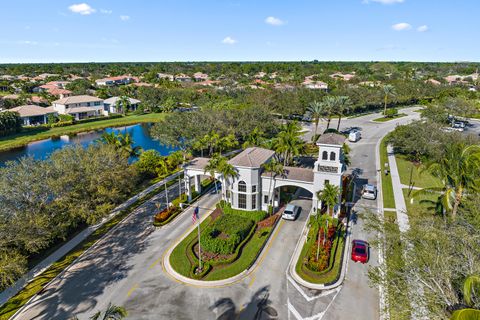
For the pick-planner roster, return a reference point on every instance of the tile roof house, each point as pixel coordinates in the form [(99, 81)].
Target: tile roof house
[(309, 83), (182, 78), (110, 104), (342, 76), (113, 81), (167, 76), (199, 76), (32, 114), (80, 107)]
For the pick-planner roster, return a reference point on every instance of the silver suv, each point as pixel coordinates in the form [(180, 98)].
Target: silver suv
[(369, 191), (291, 212)]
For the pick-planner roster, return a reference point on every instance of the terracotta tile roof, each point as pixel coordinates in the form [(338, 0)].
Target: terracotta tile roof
[(77, 99), (31, 110), (293, 173), (252, 157), (332, 139)]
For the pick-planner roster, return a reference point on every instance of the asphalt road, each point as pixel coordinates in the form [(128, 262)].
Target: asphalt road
[(125, 268)]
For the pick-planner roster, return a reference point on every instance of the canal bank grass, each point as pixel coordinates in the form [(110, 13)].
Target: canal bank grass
[(39, 282), (30, 135)]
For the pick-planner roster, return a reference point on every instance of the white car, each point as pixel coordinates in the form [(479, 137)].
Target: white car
[(291, 212), (369, 191), (354, 136)]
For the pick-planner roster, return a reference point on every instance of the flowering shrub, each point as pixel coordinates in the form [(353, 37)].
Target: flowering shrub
[(165, 214), (324, 247)]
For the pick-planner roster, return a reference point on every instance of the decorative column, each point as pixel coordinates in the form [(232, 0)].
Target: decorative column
[(198, 185), (188, 188)]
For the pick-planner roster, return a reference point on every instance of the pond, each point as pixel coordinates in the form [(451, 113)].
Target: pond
[(42, 149)]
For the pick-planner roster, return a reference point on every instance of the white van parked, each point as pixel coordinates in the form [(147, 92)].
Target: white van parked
[(354, 136)]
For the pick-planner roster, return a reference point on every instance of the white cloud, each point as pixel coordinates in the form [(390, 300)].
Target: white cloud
[(82, 8), (422, 28), (401, 26), (105, 11), (229, 40), (384, 1), (28, 42), (124, 18), (274, 21)]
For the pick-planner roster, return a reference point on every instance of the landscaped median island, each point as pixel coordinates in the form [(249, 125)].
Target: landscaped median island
[(321, 257), (230, 242)]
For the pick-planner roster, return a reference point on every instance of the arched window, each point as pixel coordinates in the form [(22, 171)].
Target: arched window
[(242, 186), (325, 155), (332, 155)]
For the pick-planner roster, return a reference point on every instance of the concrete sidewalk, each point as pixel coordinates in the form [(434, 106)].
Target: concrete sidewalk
[(72, 243), (401, 207)]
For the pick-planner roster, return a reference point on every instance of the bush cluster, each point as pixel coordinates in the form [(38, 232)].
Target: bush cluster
[(256, 216), (325, 251), (165, 214), (226, 233)]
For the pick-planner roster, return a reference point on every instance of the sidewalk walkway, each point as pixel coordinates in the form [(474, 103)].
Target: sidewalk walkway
[(401, 207), (72, 243)]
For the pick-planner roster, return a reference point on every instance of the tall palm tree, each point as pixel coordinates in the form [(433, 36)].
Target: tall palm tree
[(388, 90), (329, 195), (275, 168), (127, 144), (123, 102), (344, 104), (459, 171), (228, 171), (213, 166), (316, 110), (288, 142), (330, 107), (254, 139)]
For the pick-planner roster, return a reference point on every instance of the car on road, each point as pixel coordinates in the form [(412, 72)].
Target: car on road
[(291, 212), (360, 251), (354, 136), (369, 191)]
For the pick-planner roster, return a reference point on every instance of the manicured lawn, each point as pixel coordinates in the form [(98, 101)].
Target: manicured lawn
[(30, 135), (394, 257), (17, 301), (387, 188), (416, 208), (384, 119), (421, 179), (331, 274)]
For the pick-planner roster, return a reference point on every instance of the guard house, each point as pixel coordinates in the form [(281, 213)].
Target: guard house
[(253, 188)]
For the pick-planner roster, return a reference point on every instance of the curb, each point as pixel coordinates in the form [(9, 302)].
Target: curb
[(215, 283), (298, 249)]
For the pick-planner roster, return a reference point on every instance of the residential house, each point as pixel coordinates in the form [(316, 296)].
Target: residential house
[(80, 107), (33, 115), (199, 76), (110, 104), (44, 76), (113, 81), (55, 88), (309, 83), (167, 76), (433, 81), (343, 76), (182, 78)]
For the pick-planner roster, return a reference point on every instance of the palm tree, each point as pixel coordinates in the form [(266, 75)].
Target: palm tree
[(470, 290), (288, 142), (329, 195), (126, 143), (227, 142), (344, 104), (330, 107), (254, 138), (459, 171), (122, 104), (316, 110), (228, 171), (213, 166), (275, 168), (388, 90)]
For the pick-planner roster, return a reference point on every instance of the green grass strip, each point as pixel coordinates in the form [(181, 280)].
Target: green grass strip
[(387, 188)]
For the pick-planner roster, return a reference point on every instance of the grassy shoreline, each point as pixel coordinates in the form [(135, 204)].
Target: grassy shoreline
[(23, 138)]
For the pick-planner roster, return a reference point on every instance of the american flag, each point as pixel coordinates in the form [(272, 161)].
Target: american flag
[(195, 215)]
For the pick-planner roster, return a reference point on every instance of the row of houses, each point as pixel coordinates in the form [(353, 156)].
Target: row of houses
[(79, 107)]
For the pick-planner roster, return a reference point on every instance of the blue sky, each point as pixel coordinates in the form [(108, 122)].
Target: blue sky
[(239, 30)]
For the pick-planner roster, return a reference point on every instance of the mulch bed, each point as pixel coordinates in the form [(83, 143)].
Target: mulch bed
[(210, 255), (268, 222)]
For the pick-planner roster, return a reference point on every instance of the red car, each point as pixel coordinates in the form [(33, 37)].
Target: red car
[(360, 251)]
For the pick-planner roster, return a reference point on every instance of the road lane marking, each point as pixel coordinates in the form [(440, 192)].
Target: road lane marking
[(135, 286), (155, 263)]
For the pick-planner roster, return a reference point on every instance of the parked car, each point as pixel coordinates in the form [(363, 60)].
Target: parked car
[(360, 251), (291, 212), (369, 191), (354, 136)]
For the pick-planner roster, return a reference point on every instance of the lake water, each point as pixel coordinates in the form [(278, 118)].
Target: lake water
[(42, 149)]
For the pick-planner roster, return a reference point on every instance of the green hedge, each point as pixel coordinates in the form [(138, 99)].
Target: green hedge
[(226, 233), (256, 216)]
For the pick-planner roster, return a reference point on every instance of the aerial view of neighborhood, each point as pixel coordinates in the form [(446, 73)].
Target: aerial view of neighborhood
[(240, 159)]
